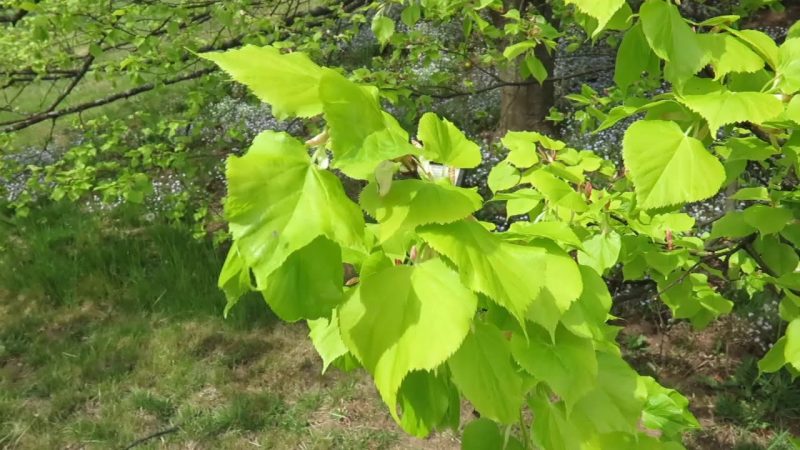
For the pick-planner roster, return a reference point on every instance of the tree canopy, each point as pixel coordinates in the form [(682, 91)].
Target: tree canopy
[(347, 217)]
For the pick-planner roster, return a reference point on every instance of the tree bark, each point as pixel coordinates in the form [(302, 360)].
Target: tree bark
[(524, 107)]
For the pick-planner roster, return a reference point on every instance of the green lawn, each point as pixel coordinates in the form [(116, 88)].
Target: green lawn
[(111, 331), (107, 337)]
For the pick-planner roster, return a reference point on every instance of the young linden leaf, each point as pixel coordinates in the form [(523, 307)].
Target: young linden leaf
[(522, 148), (552, 429), (730, 55), (667, 166), (444, 143), (568, 365), (666, 410), (486, 263), (309, 283), (346, 104), (521, 201), (602, 10), (785, 351), (731, 225), (234, 278), (503, 176), (483, 371), (620, 394), (556, 191), (278, 202), (562, 286), (587, 316), (395, 313), (383, 27), (789, 66), (672, 40), (378, 148), (761, 43), (324, 334), (780, 258), (690, 297), (633, 58), (601, 251), (766, 219), (411, 203), (514, 50), (720, 106), (288, 82), (534, 67), (482, 434), (559, 232), (429, 400)]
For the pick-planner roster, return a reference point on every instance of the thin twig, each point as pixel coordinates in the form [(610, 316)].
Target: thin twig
[(152, 436)]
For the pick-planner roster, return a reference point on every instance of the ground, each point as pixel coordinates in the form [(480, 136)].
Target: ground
[(110, 334)]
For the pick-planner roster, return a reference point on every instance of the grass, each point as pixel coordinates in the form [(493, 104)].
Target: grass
[(111, 331)]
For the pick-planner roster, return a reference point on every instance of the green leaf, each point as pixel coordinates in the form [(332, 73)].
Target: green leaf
[(309, 283), (619, 393), (562, 286), (394, 313), (483, 434), (731, 225), (411, 14), (785, 351), (521, 201), (567, 364), (793, 109), (766, 219), (722, 107), (633, 58), (428, 401), (534, 67), (602, 10), (275, 204), (503, 176), (672, 40), (666, 410), (379, 147), (691, 297), (752, 194), (789, 66), (411, 203), (324, 334), (514, 50), (775, 358), (346, 103), (559, 232), (747, 149), (383, 27), (779, 257), (730, 55), (522, 148), (667, 166), (489, 265), (483, 371), (289, 83), (556, 191), (552, 429), (234, 278), (601, 251), (587, 316), (761, 43), (444, 143)]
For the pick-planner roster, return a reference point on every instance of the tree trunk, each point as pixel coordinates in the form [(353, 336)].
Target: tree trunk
[(525, 106)]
